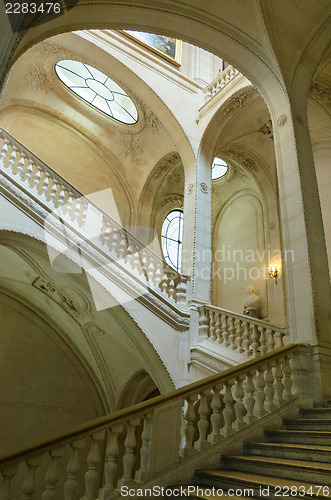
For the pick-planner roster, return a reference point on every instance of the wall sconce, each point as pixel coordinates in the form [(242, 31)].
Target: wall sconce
[(273, 272)]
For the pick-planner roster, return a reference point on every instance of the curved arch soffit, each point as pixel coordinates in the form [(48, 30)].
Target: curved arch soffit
[(187, 25), (164, 385), (67, 344)]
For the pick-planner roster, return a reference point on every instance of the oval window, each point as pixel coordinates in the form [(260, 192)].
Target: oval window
[(218, 169), (97, 89), (171, 238)]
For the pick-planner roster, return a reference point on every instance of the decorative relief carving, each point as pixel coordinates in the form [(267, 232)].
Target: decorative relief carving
[(321, 93), (172, 199), (266, 129), (166, 164), (190, 188), (238, 101), (36, 78), (272, 226), (282, 120), (203, 187), (50, 289), (94, 329), (242, 158)]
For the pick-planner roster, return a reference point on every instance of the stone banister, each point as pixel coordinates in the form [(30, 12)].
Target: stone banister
[(78, 218), (241, 333), (221, 80), (134, 446)]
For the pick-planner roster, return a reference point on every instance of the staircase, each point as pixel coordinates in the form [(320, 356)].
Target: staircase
[(292, 461)]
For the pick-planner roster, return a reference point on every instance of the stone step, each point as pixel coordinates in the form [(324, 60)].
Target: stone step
[(299, 437), (288, 450), (307, 424), (314, 472), (260, 486), (315, 413)]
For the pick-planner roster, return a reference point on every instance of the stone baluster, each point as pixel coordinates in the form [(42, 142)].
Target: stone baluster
[(249, 398), (238, 339), (259, 394), (246, 342), (29, 484), (211, 326), (111, 466), (181, 290), (171, 290), (76, 212), (129, 458), (61, 197), (67, 208), (150, 273), (278, 340), (44, 186), (143, 263), (145, 450), (8, 475), (269, 389), (52, 476), (105, 236), (36, 179), (218, 329), (53, 191), (287, 379), (228, 412), (255, 339), (279, 387), (12, 162), (296, 374), (136, 260), (73, 470), (189, 428), (92, 474), (231, 331), (239, 407), (157, 277), (164, 284), (28, 172), (113, 245), (203, 324), (128, 256), (225, 332), (122, 245), (203, 423), (216, 417), (270, 341), (4, 152), (263, 344), (21, 170)]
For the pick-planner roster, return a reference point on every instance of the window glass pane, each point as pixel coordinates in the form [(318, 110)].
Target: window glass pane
[(218, 169), (171, 239), (97, 89)]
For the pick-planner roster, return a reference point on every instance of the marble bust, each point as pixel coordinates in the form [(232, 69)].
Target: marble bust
[(252, 302)]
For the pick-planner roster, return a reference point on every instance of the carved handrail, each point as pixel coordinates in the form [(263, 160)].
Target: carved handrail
[(213, 408), (221, 80), (241, 333), (68, 206)]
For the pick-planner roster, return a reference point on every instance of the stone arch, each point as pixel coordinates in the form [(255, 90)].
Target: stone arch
[(138, 388)]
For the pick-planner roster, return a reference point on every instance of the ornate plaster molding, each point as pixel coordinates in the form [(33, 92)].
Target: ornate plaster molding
[(321, 93), (164, 165), (242, 158), (238, 101)]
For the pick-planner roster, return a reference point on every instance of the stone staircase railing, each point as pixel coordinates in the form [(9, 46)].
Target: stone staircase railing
[(143, 444), (238, 332), (221, 80), (43, 187)]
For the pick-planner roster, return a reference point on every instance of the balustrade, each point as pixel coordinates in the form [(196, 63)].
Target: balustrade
[(70, 208), (94, 461), (238, 332), (220, 82)]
